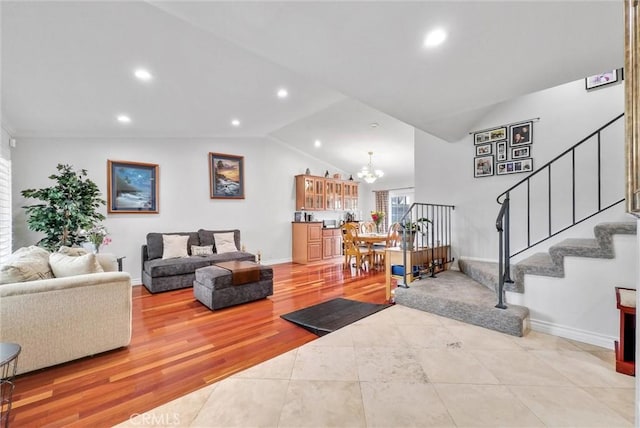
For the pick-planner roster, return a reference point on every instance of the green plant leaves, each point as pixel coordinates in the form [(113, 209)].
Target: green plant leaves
[(72, 204)]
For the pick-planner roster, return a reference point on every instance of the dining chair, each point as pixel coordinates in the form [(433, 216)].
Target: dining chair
[(367, 227), (393, 235), (351, 247)]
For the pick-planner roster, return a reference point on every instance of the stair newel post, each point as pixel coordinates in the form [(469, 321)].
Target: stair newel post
[(501, 252)]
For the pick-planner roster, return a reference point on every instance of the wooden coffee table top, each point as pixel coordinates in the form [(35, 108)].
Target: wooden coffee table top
[(243, 272)]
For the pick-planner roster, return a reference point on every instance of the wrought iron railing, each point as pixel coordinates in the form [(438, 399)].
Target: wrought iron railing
[(505, 200), (425, 231)]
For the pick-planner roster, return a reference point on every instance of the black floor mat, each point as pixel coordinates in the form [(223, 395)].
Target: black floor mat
[(329, 316)]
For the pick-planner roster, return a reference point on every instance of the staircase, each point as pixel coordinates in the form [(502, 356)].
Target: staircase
[(471, 296)]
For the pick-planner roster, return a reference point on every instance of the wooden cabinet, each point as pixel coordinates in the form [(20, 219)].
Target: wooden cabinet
[(350, 197), (331, 243), (310, 193), (319, 193), (307, 242)]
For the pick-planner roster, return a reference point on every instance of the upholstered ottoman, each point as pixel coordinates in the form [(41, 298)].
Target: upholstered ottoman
[(217, 287)]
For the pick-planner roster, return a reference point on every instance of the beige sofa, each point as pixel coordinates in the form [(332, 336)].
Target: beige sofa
[(57, 320)]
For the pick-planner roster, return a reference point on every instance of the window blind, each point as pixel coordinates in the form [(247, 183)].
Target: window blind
[(5, 209)]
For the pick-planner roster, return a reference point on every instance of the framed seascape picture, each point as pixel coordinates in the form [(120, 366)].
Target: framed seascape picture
[(597, 80), (490, 135), (483, 166), (132, 187), (226, 176), (501, 151), (522, 133)]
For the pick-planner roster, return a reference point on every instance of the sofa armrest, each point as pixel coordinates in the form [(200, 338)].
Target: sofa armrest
[(66, 283), (61, 319)]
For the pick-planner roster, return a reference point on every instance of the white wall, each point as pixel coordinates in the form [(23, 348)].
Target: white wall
[(264, 216), (568, 113)]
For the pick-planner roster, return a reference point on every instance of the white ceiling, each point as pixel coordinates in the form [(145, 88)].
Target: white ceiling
[(67, 68)]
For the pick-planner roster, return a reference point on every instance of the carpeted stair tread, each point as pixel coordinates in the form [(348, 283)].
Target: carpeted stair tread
[(454, 295), (552, 263), (486, 273), (580, 247)]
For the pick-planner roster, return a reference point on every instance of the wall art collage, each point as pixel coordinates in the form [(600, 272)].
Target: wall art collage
[(503, 150)]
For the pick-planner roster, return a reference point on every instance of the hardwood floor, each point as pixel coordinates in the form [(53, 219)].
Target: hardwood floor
[(179, 345)]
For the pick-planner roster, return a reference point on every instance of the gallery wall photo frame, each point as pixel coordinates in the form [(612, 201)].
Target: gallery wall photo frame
[(602, 79), (490, 135), (132, 187), (501, 151), (521, 133), (520, 152), (514, 167), (484, 149), (226, 176), (483, 166)]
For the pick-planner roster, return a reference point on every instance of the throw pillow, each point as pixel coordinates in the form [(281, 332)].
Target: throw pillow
[(174, 246), (225, 242), (205, 250), (26, 264), (77, 251), (63, 265)]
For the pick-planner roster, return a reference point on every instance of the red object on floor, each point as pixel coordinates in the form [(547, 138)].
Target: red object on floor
[(626, 347)]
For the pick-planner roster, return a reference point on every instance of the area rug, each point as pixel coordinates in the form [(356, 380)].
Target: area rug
[(326, 317)]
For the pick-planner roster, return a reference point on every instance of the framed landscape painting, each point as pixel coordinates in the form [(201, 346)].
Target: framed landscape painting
[(226, 176), (132, 187)]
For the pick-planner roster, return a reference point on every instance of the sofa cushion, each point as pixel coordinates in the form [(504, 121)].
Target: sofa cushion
[(206, 237), (63, 265), (204, 250), (26, 264), (160, 268), (225, 242), (78, 251), (155, 247), (174, 246)]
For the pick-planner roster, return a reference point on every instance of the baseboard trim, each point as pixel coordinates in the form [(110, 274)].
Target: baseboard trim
[(573, 333), (478, 259)]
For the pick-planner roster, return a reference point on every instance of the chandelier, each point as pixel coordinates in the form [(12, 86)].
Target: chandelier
[(369, 174)]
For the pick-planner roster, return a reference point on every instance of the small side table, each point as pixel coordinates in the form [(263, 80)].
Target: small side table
[(8, 365), (626, 347), (119, 259)]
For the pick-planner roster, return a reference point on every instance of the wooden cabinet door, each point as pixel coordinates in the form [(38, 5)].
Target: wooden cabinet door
[(315, 251)]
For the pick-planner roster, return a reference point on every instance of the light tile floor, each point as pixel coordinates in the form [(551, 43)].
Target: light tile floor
[(406, 368)]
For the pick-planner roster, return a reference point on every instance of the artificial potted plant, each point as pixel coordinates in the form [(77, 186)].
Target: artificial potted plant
[(66, 208), (411, 229)]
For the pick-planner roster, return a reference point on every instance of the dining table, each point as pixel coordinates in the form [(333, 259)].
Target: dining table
[(370, 239)]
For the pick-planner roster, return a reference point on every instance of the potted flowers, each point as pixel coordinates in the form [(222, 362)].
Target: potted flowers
[(377, 217), (96, 236)]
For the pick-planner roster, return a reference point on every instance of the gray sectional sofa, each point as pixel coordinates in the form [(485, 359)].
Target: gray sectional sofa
[(170, 274)]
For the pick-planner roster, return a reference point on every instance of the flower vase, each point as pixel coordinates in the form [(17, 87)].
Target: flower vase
[(90, 247)]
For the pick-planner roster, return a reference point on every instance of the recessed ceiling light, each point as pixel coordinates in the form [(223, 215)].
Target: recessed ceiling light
[(435, 38), (317, 143), (235, 122), (283, 93), (143, 74), (123, 118), (374, 124)]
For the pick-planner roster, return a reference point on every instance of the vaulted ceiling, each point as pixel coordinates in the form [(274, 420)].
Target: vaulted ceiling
[(67, 68)]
